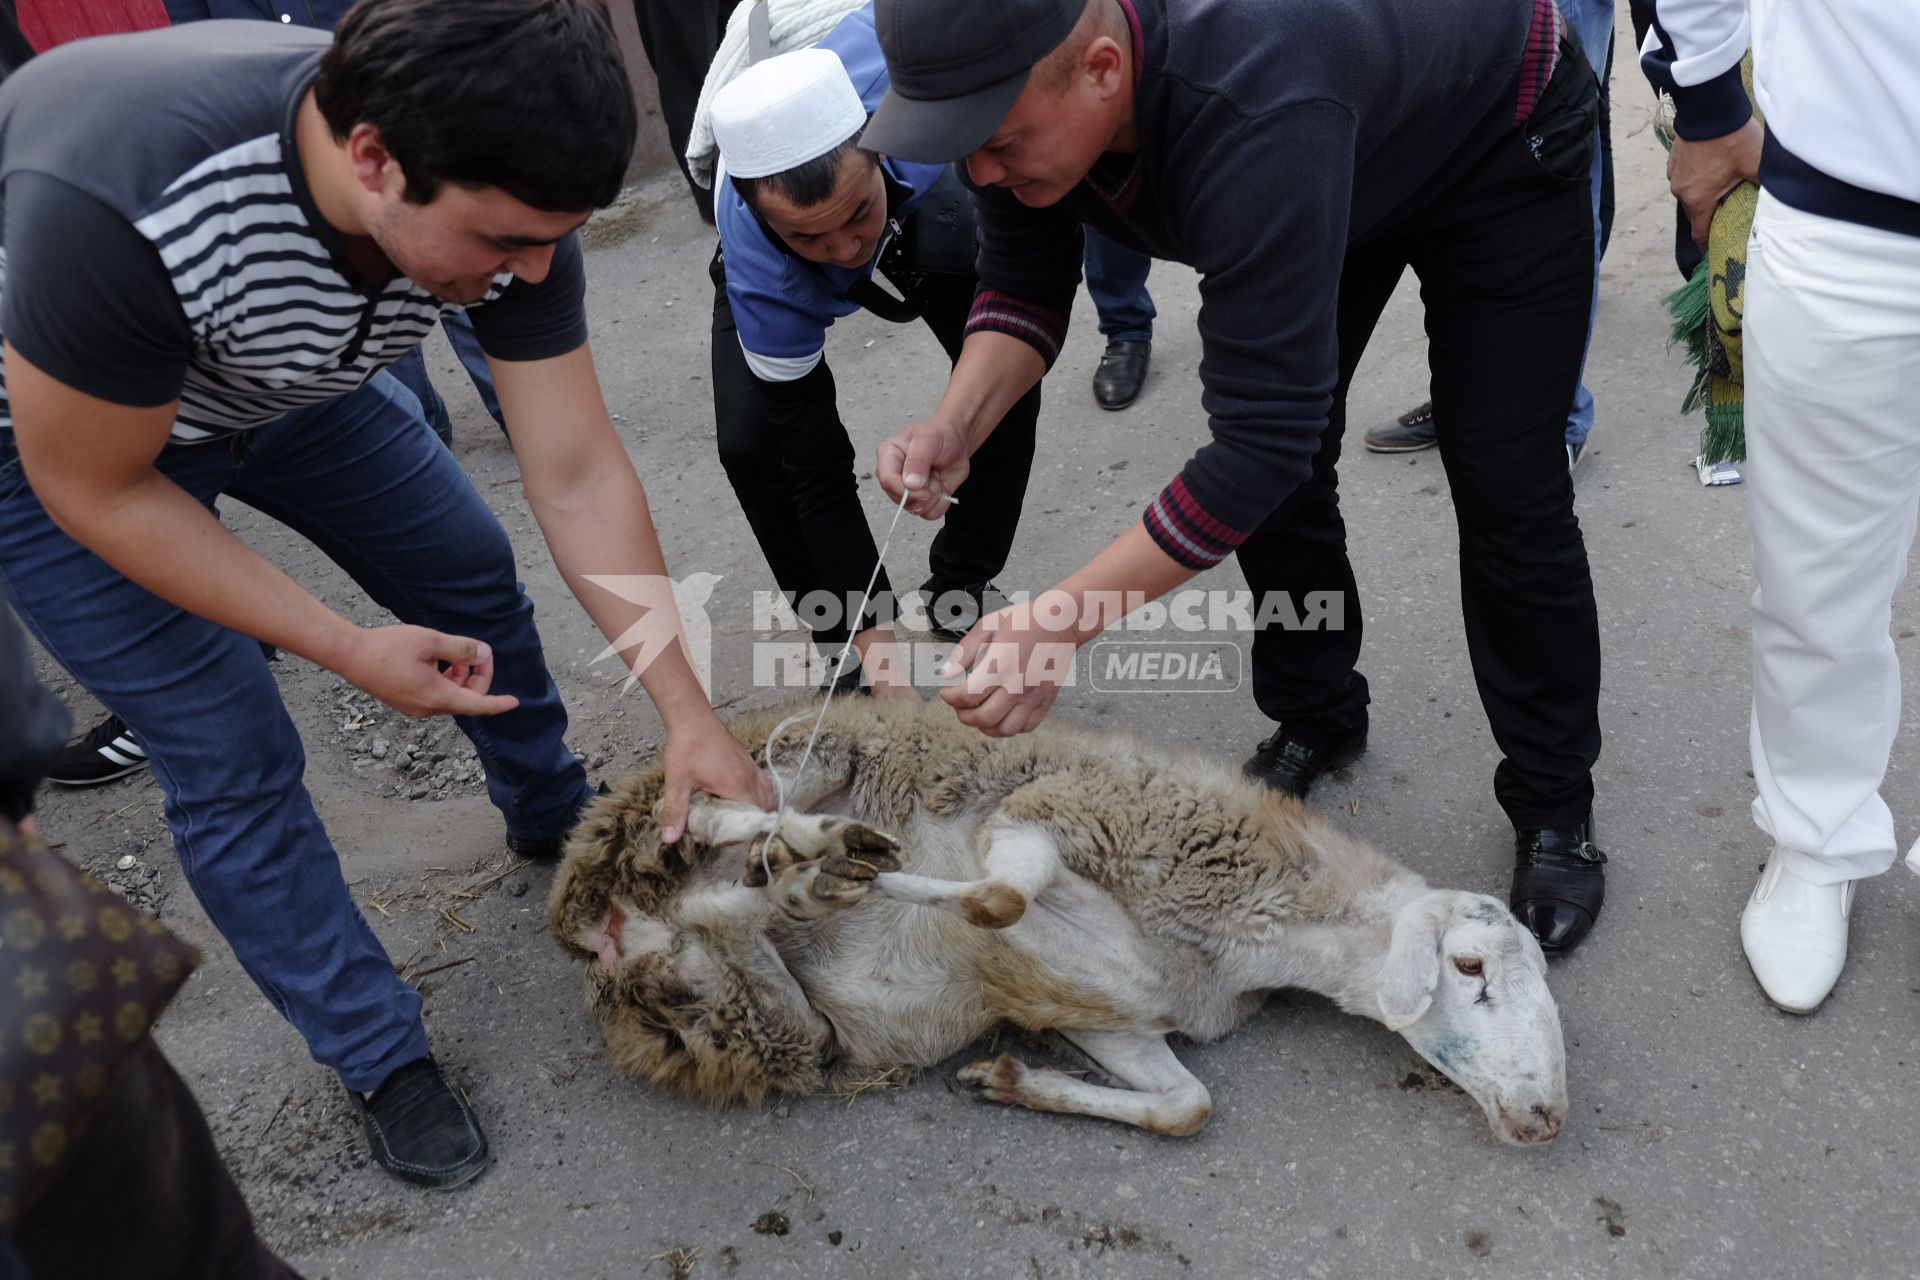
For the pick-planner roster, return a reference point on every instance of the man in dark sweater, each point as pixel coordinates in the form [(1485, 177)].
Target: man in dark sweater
[(1301, 155)]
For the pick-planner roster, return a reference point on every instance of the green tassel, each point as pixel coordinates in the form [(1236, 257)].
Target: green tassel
[(1692, 311), (1724, 438)]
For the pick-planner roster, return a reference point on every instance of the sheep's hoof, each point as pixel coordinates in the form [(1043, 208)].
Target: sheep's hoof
[(997, 1079), (767, 856), (836, 891), (854, 851)]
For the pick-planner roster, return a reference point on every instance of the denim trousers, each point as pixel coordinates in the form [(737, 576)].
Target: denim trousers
[(1117, 283), (362, 478), (1592, 23), (411, 370)]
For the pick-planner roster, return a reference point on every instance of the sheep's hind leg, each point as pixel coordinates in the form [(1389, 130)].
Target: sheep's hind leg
[(1161, 1096), (1021, 861)]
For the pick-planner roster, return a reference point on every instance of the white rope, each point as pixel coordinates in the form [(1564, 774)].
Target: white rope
[(833, 685)]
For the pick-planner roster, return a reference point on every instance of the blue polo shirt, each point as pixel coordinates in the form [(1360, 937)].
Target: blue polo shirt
[(782, 304)]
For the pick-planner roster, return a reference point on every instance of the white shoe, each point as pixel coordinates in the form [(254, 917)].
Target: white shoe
[(1795, 935)]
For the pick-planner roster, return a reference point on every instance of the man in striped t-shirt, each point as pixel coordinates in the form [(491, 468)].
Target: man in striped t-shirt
[(214, 239)]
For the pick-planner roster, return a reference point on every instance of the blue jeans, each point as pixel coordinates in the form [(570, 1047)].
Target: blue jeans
[(1592, 22), (1117, 283), (363, 479), (411, 370)]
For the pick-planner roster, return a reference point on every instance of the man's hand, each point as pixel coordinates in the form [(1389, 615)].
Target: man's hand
[(1015, 662), (1701, 173), (401, 667), (703, 756), (927, 460)]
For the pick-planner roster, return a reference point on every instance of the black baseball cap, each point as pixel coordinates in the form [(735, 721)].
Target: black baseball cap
[(955, 67)]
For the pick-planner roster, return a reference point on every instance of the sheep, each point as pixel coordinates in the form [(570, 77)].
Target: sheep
[(928, 882)]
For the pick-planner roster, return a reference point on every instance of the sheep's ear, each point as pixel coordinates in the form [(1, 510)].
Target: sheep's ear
[(1412, 969)]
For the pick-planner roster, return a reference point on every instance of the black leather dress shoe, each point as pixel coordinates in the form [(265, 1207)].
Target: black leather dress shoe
[(421, 1129), (1122, 372), (1289, 765), (1559, 882)]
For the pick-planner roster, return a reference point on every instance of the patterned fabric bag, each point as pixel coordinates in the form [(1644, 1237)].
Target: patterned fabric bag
[(82, 977)]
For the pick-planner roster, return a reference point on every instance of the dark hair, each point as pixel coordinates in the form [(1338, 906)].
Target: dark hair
[(529, 96), (807, 184)]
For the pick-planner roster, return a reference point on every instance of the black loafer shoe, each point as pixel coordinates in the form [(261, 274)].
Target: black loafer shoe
[(421, 1129), (1559, 882), (1411, 432), (1122, 372), (1289, 765)]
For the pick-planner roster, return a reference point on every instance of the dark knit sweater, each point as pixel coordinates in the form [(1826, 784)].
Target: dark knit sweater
[(1274, 134)]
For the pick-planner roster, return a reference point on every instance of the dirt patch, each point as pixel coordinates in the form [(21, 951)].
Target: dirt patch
[(622, 220), (1479, 1243), (1612, 1216), (772, 1223)]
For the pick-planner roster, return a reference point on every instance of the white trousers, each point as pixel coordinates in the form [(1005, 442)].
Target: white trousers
[(1832, 346)]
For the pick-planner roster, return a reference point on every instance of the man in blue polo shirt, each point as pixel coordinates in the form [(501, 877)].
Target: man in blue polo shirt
[(806, 219)]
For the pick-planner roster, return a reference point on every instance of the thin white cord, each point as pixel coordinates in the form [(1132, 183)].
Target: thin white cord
[(833, 685)]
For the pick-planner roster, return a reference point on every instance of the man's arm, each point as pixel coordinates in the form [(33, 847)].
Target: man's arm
[(594, 515), (1029, 269), (1693, 52), (1270, 277), (929, 459), (90, 462)]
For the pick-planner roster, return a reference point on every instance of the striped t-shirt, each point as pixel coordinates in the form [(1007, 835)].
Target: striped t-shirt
[(157, 239)]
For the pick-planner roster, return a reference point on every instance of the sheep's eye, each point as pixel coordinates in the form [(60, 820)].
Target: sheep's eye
[(1469, 965)]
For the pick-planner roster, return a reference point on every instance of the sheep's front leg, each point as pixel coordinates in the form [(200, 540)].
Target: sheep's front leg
[(1021, 860), (848, 849), (818, 863), (1161, 1096)]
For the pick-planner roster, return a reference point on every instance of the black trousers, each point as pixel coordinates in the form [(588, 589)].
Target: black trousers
[(1505, 261), (681, 37), (143, 1192), (791, 464)]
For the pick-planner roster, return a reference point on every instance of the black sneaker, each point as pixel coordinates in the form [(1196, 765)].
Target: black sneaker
[(954, 609), (421, 1129), (1289, 765), (1411, 432), (107, 751)]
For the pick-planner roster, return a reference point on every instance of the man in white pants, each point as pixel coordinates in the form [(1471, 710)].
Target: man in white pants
[(1832, 360)]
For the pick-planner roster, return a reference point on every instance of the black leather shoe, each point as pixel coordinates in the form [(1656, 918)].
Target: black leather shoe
[(1559, 882), (421, 1129), (544, 849), (1289, 765), (1411, 432), (1122, 372)]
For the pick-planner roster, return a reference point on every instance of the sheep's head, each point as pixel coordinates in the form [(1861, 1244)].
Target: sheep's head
[(1466, 984), (679, 1010)]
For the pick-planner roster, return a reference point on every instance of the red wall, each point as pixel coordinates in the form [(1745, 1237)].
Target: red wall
[(46, 23)]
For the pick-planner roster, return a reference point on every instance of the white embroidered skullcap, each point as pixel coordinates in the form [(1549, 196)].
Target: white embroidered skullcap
[(785, 111)]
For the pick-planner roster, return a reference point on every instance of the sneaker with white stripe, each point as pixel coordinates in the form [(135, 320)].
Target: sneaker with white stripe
[(107, 751)]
